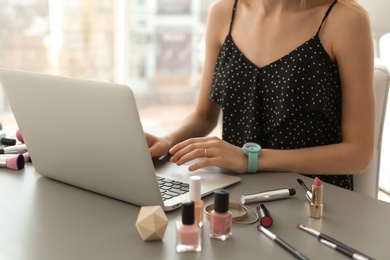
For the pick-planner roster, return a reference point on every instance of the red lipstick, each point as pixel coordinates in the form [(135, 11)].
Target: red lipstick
[(265, 216), (316, 205)]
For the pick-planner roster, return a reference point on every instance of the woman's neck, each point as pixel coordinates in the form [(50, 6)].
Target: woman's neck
[(280, 7)]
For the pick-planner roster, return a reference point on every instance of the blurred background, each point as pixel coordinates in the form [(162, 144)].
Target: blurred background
[(154, 46)]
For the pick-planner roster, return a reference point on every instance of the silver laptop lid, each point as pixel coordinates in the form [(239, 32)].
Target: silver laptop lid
[(84, 133), (88, 134)]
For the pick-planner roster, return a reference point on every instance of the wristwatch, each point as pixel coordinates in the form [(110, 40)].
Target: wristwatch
[(252, 150)]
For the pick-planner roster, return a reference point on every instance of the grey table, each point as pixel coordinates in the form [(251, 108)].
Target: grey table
[(44, 219)]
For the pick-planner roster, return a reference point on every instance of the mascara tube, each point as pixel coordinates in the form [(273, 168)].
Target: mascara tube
[(14, 149), (267, 195)]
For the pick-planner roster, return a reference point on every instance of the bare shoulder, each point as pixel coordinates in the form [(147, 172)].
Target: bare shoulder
[(347, 31), (219, 17), (222, 7), (349, 19)]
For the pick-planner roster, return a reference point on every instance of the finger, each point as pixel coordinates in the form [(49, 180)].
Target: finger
[(154, 151), (150, 139), (157, 150), (180, 149), (204, 149), (186, 156), (201, 164), (187, 143)]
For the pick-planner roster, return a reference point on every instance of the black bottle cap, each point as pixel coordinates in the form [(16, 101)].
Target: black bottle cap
[(292, 192), (8, 141), (20, 161), (188, 213), (221, 201)]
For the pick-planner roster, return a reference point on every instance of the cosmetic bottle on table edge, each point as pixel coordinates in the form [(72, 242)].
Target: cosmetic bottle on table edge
[(221, 216), (188, 237)]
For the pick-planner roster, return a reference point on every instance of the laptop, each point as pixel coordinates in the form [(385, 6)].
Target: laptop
[(88, 134)]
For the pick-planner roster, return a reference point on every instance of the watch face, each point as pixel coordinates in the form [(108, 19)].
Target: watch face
[(253, 147)]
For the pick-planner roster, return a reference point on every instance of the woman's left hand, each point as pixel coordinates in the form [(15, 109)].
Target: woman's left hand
[(213, 150)]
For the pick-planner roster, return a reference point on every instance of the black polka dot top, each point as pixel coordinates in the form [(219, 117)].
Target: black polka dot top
[(291, 103)]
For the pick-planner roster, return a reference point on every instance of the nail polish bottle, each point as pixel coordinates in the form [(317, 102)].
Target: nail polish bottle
[(220, 216), (187, 231), (195, 196)]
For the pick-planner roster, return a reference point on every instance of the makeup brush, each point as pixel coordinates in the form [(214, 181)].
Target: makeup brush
[(307, 191), (12, 161)]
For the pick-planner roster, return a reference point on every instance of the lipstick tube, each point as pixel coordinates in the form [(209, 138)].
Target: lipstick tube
[(316, 205), (264, 215)]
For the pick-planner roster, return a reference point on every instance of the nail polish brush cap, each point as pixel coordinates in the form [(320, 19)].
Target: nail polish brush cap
[(221, 201), (195, 188), (187, 215)]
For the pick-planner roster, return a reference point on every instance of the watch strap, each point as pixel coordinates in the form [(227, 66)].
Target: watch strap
[(252, 162)]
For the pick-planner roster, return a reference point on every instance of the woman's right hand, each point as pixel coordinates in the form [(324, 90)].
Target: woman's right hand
[(158, 146)]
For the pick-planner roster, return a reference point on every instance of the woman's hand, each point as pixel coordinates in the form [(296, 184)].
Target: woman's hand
[(158, 146), (213, 150)]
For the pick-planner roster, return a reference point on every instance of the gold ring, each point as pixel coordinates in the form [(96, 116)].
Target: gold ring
[(205, 152)]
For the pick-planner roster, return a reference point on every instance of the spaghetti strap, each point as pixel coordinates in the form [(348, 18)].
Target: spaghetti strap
[(326, 15), (233, 13)]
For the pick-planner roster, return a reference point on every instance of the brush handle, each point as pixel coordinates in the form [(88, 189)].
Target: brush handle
[(343, 248)]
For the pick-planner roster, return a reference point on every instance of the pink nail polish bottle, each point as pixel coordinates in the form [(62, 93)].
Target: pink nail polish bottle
[(187, 231), (195, 196), (221, 217)]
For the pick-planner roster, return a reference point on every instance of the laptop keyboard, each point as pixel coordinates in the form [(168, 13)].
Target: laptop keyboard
[(171, 188)]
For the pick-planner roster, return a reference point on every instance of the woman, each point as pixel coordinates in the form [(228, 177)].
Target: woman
[(296, 78)]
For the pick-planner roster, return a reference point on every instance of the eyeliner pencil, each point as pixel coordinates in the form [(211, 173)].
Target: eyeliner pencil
[(282, 243)]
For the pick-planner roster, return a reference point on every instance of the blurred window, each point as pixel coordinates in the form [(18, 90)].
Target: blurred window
[(154, 46)]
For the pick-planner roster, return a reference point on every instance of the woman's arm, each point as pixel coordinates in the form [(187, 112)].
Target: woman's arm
[(205, 116)]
